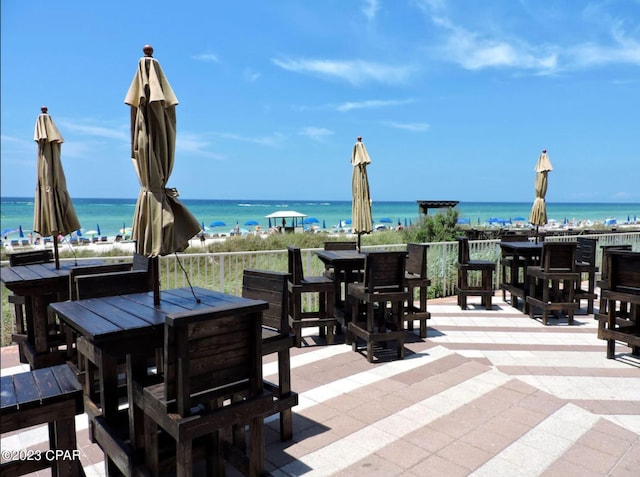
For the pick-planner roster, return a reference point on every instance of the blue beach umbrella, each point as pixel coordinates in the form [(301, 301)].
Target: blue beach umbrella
[(405, 221), (324, 225), (217, 223), (20, 232), (519, 219), (9, 231), (310, 220), (98, 229), (251, 222), (385, 220), (464, 221)]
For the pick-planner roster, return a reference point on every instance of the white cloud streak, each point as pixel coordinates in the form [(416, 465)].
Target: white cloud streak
[(370, 8), (95, 131), (412, 127), (206, 57), (372, 104), (356, 72), (478, 50), (315, 133)]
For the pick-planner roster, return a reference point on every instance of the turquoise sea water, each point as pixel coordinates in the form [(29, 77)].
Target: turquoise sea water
[(112, 214)]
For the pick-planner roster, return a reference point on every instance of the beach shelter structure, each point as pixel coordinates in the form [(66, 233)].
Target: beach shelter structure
[(53, 210), (161, 224), (361, 203), (538, 215), (283, 215)]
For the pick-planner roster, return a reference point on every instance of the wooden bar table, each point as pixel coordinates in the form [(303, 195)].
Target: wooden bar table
[(40, 284), (524, 254), (344, 263), (130, 328)]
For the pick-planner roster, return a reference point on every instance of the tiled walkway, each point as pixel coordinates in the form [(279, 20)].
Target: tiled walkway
[(488, 393)]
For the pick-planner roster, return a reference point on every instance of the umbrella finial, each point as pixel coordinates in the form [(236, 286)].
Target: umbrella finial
[(544, 151), (44, 109), (359, 138), (148, 50)]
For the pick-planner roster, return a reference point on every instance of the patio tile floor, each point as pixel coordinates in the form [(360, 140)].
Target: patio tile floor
[(487, 393)]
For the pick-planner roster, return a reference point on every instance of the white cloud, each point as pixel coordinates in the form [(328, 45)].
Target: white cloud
[(624, 50), (188, 143), (251, 75), (206, 57), (371, 104), (272, 140), (315, 133), (477, 50), (413, 127), (473, 51), (370, 8), (95, 131), (356, 72)]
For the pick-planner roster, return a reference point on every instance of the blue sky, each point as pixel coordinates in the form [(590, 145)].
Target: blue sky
[(453, 99)]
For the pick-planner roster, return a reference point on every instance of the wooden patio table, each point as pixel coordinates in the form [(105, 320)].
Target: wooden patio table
[(524, 254), (131, 328), (344, 263), (40, 284)]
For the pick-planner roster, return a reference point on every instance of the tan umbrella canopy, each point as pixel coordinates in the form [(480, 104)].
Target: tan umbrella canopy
[(538, 215), (362, 222), (53, 211), (161, 224)]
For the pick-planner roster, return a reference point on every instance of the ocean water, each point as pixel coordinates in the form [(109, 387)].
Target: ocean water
[(111, 215)]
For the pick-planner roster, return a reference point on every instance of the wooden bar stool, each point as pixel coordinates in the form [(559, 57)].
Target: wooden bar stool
[(558, 267), (298, 285), (383, 283), (47, 395), (415, 279), (276, 338), (464, 287), (586, 264)]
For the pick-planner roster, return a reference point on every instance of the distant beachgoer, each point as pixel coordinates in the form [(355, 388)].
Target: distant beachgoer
[(30, 238), (400, 227), (202, 239)]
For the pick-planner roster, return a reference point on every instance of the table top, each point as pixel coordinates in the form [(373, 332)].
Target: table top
[(521, 246), (110, 318), (337, 257), (40, 271)]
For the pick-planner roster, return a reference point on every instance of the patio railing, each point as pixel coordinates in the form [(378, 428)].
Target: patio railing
[(223, 271)]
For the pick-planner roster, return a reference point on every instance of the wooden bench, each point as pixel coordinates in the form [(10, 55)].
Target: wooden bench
[(622, 293), (47, 395), (276, 338)]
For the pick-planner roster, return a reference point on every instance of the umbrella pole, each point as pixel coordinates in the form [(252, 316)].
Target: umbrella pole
[(56, 255), (155, 277), (537, 233), (358, 244)]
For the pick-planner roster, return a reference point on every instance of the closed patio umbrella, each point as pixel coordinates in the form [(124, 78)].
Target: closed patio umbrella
[(538, 215), (161, 224), (361, 205), (53, 210)]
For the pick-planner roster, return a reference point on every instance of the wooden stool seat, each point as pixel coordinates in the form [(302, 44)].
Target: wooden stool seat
[(52, 395)]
